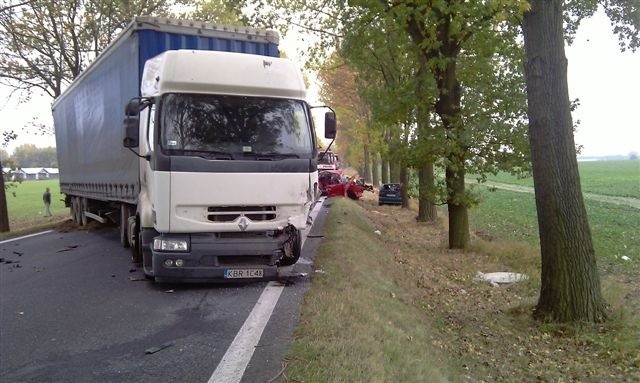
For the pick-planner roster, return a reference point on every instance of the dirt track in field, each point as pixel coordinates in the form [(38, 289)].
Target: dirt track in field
[(627, 201)]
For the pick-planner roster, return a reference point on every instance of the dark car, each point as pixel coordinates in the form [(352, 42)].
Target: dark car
[(390, 194)]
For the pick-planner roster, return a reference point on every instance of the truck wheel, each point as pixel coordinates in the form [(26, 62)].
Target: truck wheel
[(84, 206), (136, 240), (125, 213), (73, 207), (296, 250), (78, 212), (147, 264)]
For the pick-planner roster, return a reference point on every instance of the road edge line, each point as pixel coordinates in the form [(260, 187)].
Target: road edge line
[(234, 362), (25, 237)]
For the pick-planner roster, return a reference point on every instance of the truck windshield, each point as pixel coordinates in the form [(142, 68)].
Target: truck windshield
[(235, 125)]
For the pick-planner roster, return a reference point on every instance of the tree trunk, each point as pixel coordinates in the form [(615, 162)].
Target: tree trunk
[(385, 171), (427, 211), (4, 214), (458, 214), (448, 108), (394, 171), (570, 288), (375, 170), (367, 164), (404, 180)]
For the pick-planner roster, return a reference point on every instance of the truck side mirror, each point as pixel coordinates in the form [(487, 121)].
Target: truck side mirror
[(131, 126), (330, 125), (133, 107)]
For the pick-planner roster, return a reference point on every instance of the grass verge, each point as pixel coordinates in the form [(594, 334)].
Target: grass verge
[(25, 207), (358, 324)]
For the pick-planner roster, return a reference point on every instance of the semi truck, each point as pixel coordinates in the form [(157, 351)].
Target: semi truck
[(198, 141)]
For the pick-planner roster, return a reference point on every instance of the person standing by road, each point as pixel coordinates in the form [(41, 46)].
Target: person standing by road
[(46, 197)]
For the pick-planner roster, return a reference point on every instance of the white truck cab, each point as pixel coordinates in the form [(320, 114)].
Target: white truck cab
[(228, 167)]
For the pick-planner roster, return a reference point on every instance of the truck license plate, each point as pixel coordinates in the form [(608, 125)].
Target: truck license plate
[(243, 273)]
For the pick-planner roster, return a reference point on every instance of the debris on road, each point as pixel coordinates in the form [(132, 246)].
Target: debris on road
[(136, 279), (169, 291), (153, 350), (19, 254), (378, 232), (69, 248)]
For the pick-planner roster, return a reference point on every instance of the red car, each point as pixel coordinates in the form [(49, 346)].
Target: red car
[(333, 183)]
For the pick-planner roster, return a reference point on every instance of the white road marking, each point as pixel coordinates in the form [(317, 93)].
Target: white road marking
[(235, 360), (25, 236)]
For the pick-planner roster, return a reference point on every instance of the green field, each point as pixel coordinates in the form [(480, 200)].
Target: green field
[(612, 178), (512, 216), (24, 202)]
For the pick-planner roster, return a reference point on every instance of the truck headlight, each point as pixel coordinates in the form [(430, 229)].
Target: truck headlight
[(171, 244)]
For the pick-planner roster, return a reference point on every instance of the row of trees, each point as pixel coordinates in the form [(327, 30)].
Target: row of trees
[(30, 156)]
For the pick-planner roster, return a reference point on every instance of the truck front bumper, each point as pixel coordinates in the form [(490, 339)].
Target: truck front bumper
[(211, 256)]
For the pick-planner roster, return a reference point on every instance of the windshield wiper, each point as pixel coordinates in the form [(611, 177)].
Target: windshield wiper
[(210, 154), (271, 156)]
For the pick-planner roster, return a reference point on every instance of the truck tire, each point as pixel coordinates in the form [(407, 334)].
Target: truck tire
[(147, 264), (84, 206), (125, 213), (76, 213), (146, 237), (136, 240), (296, 248), (72, 209)]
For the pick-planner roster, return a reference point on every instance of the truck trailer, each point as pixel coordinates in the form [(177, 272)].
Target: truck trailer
[(198, 141)]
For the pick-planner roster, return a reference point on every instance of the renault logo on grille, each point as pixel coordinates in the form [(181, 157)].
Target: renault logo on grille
[(243, 223)]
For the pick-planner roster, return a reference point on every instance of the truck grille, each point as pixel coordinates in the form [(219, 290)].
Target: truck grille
[(231, 213)]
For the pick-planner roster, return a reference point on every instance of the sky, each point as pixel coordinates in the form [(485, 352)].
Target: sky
[(605, 80)]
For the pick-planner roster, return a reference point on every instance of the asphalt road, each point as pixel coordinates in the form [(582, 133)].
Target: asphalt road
[(74, 309)]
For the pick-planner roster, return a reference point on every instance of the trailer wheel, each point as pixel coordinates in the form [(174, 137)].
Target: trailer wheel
[(72, 209), (76, 211), (79, 213), (84, 206), (294, 249)]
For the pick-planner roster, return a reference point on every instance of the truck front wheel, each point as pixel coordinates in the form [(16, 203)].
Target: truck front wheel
[(125, 213), (135, 240), (292, 248)]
